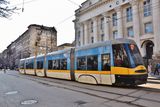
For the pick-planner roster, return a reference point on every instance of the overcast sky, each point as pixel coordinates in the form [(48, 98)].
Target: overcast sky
[(43, 12)]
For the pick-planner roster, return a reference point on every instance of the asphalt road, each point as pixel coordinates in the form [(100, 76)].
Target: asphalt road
[(18, 90)]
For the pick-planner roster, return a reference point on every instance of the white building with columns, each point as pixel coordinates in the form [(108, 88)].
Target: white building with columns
[(101, 20)]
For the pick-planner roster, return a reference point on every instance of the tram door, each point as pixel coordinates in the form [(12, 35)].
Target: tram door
[(106, 69)]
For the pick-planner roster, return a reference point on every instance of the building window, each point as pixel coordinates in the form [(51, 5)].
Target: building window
[(147, 8), (129, 14), (78, 40), (102, 24), (130, 32), (79, 43), (148, 27), (79, 33), (91, 26), (115, 34), (114, 19), (102, 37), (92, 39)]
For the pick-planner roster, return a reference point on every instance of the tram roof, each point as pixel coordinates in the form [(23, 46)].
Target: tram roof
[(51, 53), (99, 44), (123, 40), (106, 43), (30, 57), (22, 59), (60, 51)]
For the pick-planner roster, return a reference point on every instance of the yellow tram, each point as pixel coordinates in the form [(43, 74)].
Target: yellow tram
[(116, 62)]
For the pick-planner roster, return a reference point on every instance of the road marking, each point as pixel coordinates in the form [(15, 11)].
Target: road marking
[(11, 92), (29, 102)]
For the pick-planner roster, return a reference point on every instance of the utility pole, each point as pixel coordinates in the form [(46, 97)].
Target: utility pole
[(45, 57), (36, 46), (35, 54)]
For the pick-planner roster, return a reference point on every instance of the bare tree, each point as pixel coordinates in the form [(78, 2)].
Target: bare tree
[(5, 10)]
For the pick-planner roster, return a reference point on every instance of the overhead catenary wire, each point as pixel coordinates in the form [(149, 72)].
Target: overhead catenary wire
[(69, 16), (139, 11), (64, 20), (26, 2), (23, 2), (23, 6), (74, 3)]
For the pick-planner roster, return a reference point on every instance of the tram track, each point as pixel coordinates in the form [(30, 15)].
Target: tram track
[(91, 90)]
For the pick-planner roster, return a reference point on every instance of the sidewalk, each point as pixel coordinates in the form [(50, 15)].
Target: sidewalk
[(152, 76)]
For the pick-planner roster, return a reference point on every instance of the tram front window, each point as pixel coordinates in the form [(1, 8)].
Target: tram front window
[(121, 58), (135, 54), (22, 65)]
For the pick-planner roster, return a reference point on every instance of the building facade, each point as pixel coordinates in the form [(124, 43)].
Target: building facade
[(65, 46), (37, 39), (101, 20)]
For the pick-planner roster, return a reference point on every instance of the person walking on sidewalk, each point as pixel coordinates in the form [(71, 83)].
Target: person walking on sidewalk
[(149, 69), (4, 70), (156, 71)]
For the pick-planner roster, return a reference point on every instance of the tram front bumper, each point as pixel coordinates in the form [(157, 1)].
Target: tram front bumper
[(131, 79)]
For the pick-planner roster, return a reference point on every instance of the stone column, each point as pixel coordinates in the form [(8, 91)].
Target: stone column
[(106, 26), (95, 26), (86, 33), (156, 25), (119, 22), (77, 37), (136, 21), (82, 34), (76, 34)]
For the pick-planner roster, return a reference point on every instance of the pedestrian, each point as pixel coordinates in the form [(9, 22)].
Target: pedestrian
[(156, 71), (149, 69), (158, 68), (4, 70)]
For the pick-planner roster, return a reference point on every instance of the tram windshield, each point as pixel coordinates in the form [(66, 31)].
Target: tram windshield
[(21, 65), (126, 55), (120, 56), (135, 55)]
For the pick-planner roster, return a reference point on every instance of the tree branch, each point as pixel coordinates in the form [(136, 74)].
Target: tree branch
[(5, 11)]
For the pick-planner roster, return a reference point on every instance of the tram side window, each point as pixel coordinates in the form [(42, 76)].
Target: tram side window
[(120, 56), (92, 63), (135, 54), (63, 64), (21, 65), (39, 64), (56, 64), (49, 64), (29, 65), (81, 63), (106, 66)]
